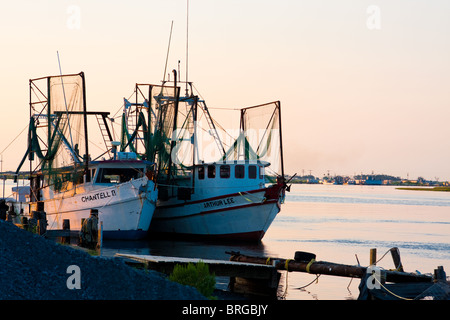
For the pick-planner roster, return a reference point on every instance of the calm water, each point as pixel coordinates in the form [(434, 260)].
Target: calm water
[(337, 223)]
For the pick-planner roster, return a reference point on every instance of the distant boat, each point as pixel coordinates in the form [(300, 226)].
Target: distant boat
[(68, 185), (226, 198), (371, 181)]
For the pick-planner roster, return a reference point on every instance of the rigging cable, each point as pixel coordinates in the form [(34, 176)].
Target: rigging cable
[(167, 55), (65, 102)]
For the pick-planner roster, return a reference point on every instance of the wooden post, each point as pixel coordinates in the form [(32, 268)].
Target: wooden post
[(3, 209), (41, 226), (40, 220), (82, 236), (396, 257), (439, 274), (373, 256), (24, 221), (65, 239), (89, 230), (255, 287), (100, 238)]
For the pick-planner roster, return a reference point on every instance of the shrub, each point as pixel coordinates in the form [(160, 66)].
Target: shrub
[(196, 275)]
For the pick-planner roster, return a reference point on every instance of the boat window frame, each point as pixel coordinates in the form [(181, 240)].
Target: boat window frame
[(241, 173), (211, 173), (132, 174), (225, 171), (201, 173), (255, 173)]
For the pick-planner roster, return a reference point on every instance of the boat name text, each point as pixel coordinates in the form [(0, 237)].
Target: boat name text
[(99, 195), (218, 203)]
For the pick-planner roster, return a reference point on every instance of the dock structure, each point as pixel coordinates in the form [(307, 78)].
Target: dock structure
[(260, 276), (246, 278), (392, 284), (328, 268)]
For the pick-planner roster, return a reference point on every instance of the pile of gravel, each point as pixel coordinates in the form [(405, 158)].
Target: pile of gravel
[(32, 267)]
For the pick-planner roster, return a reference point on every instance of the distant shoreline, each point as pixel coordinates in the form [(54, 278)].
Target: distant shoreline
[(442, 189)]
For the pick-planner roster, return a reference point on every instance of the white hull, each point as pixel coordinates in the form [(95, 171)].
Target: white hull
[(243, 216), (125, 209)]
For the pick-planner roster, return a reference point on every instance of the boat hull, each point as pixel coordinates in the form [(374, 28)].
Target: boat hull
[(237, 216), (125, 210)]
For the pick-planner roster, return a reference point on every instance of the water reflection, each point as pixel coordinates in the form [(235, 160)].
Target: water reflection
[(336, 228), (180, 248)]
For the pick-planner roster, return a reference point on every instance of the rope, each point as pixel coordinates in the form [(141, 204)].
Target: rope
[(309, 265), (383, 256), (316, 280), (245, 197), (287, 273), (286, 264), (14, 140), (268, 261), (395, 295)]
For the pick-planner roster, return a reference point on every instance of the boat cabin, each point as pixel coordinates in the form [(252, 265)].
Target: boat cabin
[(100, 174), (238, 173), (216, 179), (115, 172)]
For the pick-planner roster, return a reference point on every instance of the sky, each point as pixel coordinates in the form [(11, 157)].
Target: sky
[(364, 86)]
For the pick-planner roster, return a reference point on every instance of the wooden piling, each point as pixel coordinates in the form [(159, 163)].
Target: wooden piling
[(395, 252), (439, 274), (100, 238), (41, 227), (65, 238), (89, 231), (373, 257), (24, 222), (39, 219)]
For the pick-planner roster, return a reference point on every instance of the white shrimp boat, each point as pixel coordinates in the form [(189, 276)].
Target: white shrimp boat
[(228, 197), (225, 205), (67, 185)]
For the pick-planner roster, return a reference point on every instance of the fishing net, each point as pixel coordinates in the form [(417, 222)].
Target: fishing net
[(178, 132), (148, 124), (56, 131), (259, 137), (438, 291)]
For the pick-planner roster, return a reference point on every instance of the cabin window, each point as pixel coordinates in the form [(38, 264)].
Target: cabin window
[(201, 173), (252, 172), (261, 172), (225, 171), (118, 175), (211, 171), (239, 171)]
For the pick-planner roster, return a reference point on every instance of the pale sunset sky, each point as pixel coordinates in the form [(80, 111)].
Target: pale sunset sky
[(364, 85)]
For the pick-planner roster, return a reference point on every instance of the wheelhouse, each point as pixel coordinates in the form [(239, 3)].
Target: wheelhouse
[(230, 176)]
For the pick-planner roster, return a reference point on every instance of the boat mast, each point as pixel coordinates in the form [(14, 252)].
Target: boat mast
[(86, 141), (187, 46), (174, 127), (281, 138)]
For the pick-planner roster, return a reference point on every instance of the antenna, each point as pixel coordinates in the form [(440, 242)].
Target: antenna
[(65, 102), (187, 44), (168, 49)]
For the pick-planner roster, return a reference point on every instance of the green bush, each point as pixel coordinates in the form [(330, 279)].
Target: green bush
[(196, 275)]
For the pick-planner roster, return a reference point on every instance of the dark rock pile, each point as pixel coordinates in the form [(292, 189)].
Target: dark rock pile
[(35, 268)]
